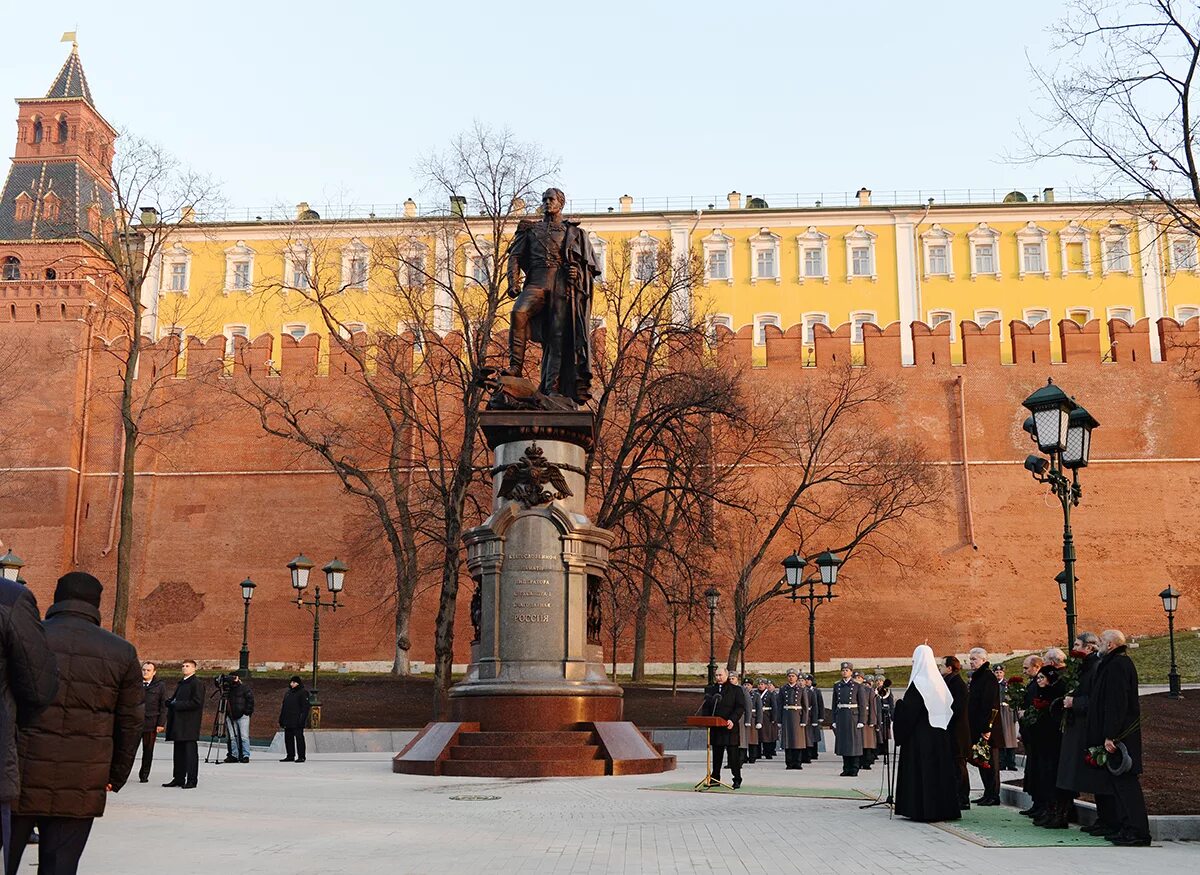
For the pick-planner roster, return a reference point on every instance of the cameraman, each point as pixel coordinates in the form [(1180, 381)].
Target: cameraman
[(237, 723)]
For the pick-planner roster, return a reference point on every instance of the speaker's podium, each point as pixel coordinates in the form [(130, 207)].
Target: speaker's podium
[(709, 723)]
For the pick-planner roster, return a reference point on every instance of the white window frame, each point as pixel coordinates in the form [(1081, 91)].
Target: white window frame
[(348, 329), (807, 321), (717, 241), (1111, 313), (984, 235), (288, 330), (239, 252), (949, 314), (938, 236), (1091, 314), (859, 237), (600, 247), (761, 321), (479, 261), (353, 250), (1032, 234), (177, 254), (997, 315), (174, 331), (765, 241), (642, 244), (1182, 308), (859, 318), (1042, 312), (1109, 235), (1070, 235), (416, 253), (1172, 240), (232, 331), (292, 256), (713, 322), (812, 240)]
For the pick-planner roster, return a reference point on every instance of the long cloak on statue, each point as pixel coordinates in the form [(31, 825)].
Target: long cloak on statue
[(926, 775)]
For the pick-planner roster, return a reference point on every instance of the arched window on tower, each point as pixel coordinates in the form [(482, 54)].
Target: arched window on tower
[(51, 273), (37, 129), (62, 129), (12, 268)]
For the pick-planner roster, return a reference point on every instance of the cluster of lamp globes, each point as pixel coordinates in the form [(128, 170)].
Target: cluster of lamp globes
[(1061, 428)]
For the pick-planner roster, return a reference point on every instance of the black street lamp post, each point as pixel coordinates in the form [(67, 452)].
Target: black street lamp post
[(10, 566), (712, 597), (335, 578), (793, 567), (1062, 430), (1170, 600), (247, 586)]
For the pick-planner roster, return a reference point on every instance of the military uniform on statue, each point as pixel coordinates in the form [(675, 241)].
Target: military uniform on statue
[(793, 710), (769, 734), (850, 705)]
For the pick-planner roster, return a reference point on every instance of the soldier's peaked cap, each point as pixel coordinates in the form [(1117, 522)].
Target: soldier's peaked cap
[(848, 665), (792, 671)]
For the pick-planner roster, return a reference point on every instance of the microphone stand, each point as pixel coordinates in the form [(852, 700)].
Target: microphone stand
[(888, 777)]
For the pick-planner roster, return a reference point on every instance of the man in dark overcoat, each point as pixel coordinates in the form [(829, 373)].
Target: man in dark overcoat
[(83, 745), (185, 713), (1037, 807), (816, 716), (769, 734), (1114, 718), (850, 707), (724, 699), (959, 728), (1075, 776), (983, 714), (792, 722), (154, 694)]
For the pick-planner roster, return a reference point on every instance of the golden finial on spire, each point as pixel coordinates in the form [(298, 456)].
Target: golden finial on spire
[(70, 37)]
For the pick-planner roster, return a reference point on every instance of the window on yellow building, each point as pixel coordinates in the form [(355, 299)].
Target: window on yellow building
[(718, 264), (984, 244), (1075, 257), (860, 253), (860, 261), (813, 246), (761, 322), (1125, 314), (1183, 314), (1076, 249), (857, 321), (937, 260), (1080, 315), (241, 275), (1116, 253), (349, 329), (985, 258), (1183, 254), (417, 332), (940, 317), (720, 320), (232, 331), (296, 329), (1036, 316), (811, 319), (814, 263), (1033, 257), (718, 250), (984, 318), (179, 276), (766, 264), (644, 266), (764, 255)]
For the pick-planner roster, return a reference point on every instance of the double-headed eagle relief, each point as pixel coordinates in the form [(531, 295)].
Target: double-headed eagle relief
[(526, 479)]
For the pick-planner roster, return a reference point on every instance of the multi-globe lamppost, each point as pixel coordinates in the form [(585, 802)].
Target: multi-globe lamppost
[(712, 597), (335, 578), (1170, 600), (827, 564), (247, 586), (1062, 430)]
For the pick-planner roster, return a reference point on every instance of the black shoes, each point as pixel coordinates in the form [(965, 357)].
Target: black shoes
[(1128, 841), (245, 759), (965, 806), (142, 779), (300, 759), (737, 782), (173, 784), (191, 786), (1028, 812), (289, 760), (1100, 829)]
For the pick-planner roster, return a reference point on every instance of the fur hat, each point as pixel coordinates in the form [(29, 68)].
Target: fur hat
[(79, 586)]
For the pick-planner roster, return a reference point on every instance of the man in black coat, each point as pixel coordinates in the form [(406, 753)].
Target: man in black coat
[(28, 680), (959, 729), (1075, 776), (1031, 666), (185, 713), (1114, 716), (83, 745), (293, 720), (237, 723), (155, 700), (983, 712), (724, 699)]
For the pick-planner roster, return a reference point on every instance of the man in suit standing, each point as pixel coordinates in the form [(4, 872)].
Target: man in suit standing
[(155, 693), (983, 713), (725, 699), (959, 728), (185, 712)]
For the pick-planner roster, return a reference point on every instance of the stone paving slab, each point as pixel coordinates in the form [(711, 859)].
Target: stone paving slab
[(347, 814)]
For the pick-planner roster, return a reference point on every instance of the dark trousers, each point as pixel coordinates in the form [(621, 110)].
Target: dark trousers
[(991, 777), (735, 760), (1008, 759), (1106, 810), (293, 743), (148, 738), (768, 749), (187, 762), (964, 780), (850, 765), (751, 753), (791, 757), (1131, 806), (812, 753), (61, 841)]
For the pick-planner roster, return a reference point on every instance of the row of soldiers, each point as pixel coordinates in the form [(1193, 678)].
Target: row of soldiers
[(790, 718)]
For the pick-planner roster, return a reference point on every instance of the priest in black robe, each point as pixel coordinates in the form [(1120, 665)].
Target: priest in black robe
[(926, 776)]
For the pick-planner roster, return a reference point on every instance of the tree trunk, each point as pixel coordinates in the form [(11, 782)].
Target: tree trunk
[(128, 470), (674, 651), (401, 665), (443, 640), (638, 671)]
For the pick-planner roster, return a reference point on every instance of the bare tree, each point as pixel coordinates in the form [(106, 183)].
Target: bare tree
[(843, 484), (123, 257)]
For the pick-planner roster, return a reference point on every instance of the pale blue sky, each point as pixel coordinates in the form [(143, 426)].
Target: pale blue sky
[(324, 101)]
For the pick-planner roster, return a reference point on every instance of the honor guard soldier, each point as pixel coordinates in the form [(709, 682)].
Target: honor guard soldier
[(769, 734), (793, 716), (868, 718), (816, 713), (751, 722), (850, 706)]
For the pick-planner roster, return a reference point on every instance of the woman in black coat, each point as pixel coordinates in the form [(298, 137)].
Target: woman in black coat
[(960, 728), (293, 720), (927, 775), (1047, 735)]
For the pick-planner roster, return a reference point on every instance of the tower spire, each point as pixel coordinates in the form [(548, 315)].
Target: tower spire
[(71, 81)]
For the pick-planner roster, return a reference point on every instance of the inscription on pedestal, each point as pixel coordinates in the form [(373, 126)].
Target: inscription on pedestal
[(531, 586)]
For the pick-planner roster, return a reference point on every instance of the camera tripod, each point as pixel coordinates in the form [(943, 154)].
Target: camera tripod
[(888, 777), (219, 732)]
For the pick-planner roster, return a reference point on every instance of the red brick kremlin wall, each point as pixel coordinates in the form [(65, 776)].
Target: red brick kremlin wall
[(225, 501)]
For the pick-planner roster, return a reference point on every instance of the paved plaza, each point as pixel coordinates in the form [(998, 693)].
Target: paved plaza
[(347, 813)]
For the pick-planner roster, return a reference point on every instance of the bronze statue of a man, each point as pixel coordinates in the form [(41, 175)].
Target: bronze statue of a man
[(554, 307)]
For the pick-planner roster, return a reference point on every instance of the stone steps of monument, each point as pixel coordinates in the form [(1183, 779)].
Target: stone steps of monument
[(540, 752), (522, 768), (502, 739)]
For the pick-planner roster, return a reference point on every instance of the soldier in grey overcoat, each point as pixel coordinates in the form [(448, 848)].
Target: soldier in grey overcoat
[(870, 719), (793, 709), (751, 721), (816, 714), (769, 734), (850, 707)]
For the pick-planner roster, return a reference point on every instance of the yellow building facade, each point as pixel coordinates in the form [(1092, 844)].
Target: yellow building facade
[(866, 263)]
